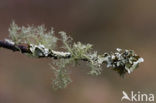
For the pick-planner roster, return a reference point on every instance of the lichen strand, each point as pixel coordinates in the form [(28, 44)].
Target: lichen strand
[(62, 78), (42, 43), (38, 35), (120, 61)]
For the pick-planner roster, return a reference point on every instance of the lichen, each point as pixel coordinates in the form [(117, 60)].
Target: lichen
[(39, 50), (62, 78), (42, 43), (38, 35), (10, 41)]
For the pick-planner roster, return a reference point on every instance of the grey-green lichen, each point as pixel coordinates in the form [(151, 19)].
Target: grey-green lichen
[(61, 73), (38, 35), (43, 43)]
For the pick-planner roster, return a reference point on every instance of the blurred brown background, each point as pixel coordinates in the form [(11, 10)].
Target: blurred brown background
[(108, 24)]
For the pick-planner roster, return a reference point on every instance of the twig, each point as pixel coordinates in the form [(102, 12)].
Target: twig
[(13, 47), (120, 61), (41, 43), (25, 48)]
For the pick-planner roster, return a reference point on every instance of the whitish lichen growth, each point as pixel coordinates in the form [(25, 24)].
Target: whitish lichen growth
[(39, 50), (62, 78), (42, 43), (33, 35)]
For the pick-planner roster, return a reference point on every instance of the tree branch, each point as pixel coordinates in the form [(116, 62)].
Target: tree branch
[(25, 48), (40, 42), (120, 61), (11, 46)]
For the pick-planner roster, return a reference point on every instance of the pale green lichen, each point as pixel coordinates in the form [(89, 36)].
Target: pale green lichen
[(38, 35), (62, 78), (80, 51), (42, 43), (95, 63)]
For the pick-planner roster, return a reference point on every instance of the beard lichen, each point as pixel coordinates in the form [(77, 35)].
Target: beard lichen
[(35, 35), (61, 73), (42, 43)]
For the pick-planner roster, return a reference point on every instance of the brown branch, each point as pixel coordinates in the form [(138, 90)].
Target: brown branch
[(25, 48), (13, 47), (121, 61)]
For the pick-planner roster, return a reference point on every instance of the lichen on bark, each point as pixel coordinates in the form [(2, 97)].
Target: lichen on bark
[(40, 42)]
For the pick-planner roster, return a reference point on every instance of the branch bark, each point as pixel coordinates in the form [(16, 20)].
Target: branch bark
[(25, 48), (121, 61), (7, 45)]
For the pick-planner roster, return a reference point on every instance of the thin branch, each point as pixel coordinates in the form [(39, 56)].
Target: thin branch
[(40, 42), (120, 61), (13, 47), (25, 48)]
